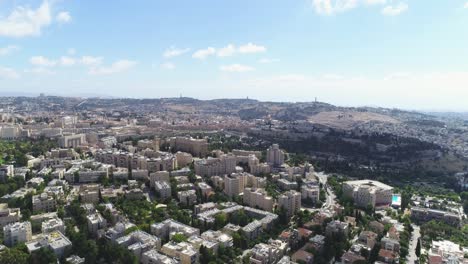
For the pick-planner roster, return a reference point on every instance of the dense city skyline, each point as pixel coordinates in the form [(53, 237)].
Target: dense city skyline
[(405, 54)]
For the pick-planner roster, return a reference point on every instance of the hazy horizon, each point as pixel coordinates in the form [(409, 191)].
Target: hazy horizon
[(101, 96)]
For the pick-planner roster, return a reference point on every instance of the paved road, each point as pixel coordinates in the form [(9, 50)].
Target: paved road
[(331, 197), (411, 258)]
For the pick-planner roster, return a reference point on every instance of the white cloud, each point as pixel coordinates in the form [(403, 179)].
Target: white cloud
[(116, 67), (8, 73), (63, 17), (251, 48), (40, 71), (330, 7), (174, 52), (375, 2), (168, 66), (395, 10), (24, 21), (67, 61), (90, 60), (332, 76), (236, 68), (203, 53), (42, 61), (267, 60), (227, 51), (8, 50), (397, 76), (466, 5)]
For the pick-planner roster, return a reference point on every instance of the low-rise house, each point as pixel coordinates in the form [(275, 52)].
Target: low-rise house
[(183, 251), (265, 254), (337, 228), (368, 238), (390, 244), (51, 225), (154, 257), (74, 259), (351, 258), (388, 256), (447, 252), (302, 256), (318, 242), (55, 241), (223, 239), (139, 242), (376, 227)]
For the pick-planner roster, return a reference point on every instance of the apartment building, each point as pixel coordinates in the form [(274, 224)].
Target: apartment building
[(368, 193), (18, 232), (275, 156), (139, 242), (183, 159), (169, 227), (188, 197), (196, 147), (426, 214), (224, 164), (89, 193), (310, 191), (285, 184), (234, 184), (290, 201), (95, 222), (257, 168), (43, 203), (6, 172), (258, 198), (54, 224), (223, 239), (8, 215), (159, 176), (265, 254), (205, 189), (163, 189), (183, 251), (72, 141), (154, 257), (55, 241)]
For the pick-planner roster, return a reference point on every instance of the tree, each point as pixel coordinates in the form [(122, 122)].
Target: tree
[(418, 248), (13, 256), (179, 238), (91, 252), (43, 256), (206, 255), (220, 220)]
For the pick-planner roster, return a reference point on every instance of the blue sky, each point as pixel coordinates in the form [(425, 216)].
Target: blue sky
[(411, 54)]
